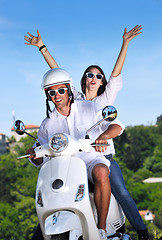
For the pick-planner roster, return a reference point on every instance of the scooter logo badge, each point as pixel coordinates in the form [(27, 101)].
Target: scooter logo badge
[(54, 219)]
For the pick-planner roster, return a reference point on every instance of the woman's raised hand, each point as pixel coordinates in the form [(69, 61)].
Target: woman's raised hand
[(33, 40), (128, 36)]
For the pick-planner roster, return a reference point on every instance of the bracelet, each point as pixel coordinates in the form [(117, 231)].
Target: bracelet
[(43, 46), (44, 51)]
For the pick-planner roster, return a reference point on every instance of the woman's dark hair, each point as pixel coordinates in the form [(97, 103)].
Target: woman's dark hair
[(83, 80)]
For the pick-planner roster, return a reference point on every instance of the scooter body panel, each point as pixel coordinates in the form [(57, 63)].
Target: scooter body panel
[(115, 217), (72, 173)]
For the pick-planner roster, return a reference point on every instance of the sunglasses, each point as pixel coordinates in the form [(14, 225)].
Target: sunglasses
[(53, 93), (99, 76)]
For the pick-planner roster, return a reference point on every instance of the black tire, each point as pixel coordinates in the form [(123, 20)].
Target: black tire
[(38, 234), (80, 238), (61, 236)]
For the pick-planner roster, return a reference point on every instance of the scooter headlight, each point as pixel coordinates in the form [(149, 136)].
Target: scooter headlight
[(58, 142)]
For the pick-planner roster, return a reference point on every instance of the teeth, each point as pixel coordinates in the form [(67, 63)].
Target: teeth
[(58, 100)]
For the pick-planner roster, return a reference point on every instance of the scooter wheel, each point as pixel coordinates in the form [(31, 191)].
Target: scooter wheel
[(80, 238), (61, 236)]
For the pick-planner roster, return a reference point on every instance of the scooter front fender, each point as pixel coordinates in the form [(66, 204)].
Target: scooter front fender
[(51, 199), (61, 222)]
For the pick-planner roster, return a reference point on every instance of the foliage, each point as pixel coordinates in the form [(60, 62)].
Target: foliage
[(154, 232), (17, 205), (140, 146), (11, 139), (158, 218), (138, 153), (159, 119)]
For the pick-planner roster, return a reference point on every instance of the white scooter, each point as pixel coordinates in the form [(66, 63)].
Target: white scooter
[(64, 206)]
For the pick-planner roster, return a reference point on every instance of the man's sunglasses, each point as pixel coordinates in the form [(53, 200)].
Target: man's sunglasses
[(61, 91), (99, 76)]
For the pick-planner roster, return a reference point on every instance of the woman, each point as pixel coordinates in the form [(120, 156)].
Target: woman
[(96, 88)]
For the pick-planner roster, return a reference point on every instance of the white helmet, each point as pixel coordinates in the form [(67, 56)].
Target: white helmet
[(56, 76)]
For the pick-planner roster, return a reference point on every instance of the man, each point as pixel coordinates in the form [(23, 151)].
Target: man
[(74, 118)]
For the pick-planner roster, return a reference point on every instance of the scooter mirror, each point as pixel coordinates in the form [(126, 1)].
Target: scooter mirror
[(109, 113), (19, 127)]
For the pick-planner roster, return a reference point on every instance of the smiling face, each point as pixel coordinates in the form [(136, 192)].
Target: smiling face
[(61, 101), (93, 84)]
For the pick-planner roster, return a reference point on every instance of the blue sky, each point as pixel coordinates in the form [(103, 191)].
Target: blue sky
[(80, 33)]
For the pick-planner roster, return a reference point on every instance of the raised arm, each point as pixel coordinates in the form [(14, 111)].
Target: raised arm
[(127, 37), (38, 42)]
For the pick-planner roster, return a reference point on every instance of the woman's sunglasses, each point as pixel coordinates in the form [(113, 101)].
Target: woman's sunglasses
[(99, 76), (53, 93)]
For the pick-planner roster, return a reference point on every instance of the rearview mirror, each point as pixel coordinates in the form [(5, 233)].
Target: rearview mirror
[(19, 127), (109, 113)]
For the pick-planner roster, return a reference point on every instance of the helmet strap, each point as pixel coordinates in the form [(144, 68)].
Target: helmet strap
[(70, 93), (48, 109), (71, 99), (69, 89)]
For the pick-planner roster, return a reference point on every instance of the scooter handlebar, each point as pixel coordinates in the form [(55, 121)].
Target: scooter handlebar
[(25, 156), (99, 144)]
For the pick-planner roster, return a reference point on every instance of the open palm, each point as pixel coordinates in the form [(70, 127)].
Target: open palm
[(128, 36)]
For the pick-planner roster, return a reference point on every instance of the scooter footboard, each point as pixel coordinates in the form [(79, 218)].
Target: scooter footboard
[(63, 221)]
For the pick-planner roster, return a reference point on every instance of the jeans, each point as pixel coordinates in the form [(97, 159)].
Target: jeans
[(122, 195)]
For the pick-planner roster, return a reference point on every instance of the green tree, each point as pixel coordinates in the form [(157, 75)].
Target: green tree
[(159, 119), (9, 222), (139, 143), (17, 207)]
